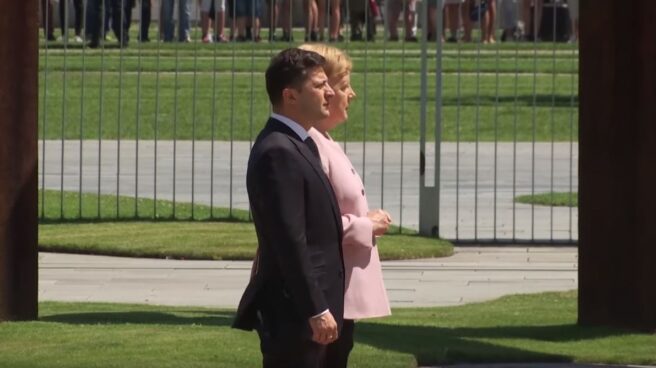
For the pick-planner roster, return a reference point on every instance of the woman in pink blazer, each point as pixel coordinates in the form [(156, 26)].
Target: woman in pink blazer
[(365, 294)]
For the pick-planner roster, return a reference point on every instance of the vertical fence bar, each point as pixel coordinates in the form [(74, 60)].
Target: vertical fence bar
[(100, 100), (438, 112), (478, 121), (140, 39), (252, 89), (458, 105), (213, 128), (382, 117), (402, 125), (63, 119), (571, 140), (44, 113), (515, 117), (156, 130), (553, 122), (84, 41), (423, 98), (193, 116), (533, 118), (232, 107), (118, 124), (496, 138), (175, 115), (367, 19)]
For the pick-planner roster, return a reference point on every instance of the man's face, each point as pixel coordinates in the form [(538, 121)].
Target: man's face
[(314, 96)]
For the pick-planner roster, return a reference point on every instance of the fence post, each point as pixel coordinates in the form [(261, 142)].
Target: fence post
[(19, 21), (429, 196)]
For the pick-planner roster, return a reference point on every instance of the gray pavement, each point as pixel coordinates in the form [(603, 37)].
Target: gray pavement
[(471, 275), (478, 182)]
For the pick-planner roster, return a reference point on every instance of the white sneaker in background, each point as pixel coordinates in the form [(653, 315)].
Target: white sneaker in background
[(78, 39)]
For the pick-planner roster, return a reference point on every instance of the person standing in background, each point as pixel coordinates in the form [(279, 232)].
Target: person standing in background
[(168, 25), (64, 17)]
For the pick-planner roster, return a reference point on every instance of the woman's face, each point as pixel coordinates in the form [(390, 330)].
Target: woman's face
[(339, 104)]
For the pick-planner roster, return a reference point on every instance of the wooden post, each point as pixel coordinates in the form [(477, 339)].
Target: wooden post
[(617, 178), (19, 22)]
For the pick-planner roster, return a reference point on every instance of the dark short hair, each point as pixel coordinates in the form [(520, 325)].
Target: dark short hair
[(290, 68)]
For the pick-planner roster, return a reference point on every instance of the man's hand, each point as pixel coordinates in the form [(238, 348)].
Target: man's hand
[(381, 221), (324, 328)]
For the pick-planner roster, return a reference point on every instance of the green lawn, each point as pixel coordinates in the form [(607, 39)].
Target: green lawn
[(187, 91), (525, 328), (223, 236), (562, 199)]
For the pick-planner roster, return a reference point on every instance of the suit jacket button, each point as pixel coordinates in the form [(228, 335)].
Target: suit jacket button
[(353, 171), (362, 191)]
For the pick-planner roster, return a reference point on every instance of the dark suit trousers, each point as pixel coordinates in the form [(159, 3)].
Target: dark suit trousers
[(312, 355), (337, 353)]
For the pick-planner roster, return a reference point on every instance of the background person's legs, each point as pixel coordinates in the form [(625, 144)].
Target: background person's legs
[(532, 17), (573, 8), (508, 10), (393, 12), (489, 22), (166, 20), (144, 25), (311, 10), (335, 19), (46, 18), (219, 11), (94, 22), (184, 14), (120, 20), (205, 6)]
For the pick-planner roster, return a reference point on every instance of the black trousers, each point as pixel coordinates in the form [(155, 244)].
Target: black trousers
[(120, 18), (144, 21), (311, 355), (63, 9), (338, 352)]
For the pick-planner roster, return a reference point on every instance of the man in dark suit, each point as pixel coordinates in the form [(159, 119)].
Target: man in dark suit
[(295, 297)]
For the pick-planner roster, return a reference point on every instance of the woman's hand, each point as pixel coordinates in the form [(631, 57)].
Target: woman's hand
[(381, 221)]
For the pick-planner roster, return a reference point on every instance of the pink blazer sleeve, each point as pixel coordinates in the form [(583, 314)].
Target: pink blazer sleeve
[(358, 231)]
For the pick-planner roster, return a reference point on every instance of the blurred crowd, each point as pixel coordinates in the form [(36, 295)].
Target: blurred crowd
[(322, 20)]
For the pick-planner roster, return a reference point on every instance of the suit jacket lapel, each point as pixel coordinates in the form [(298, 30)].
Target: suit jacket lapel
[(275, 125)]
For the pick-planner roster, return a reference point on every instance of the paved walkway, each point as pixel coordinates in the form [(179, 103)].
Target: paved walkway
[(471, 275)]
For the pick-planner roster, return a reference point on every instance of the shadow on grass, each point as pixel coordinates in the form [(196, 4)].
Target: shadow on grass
[(143, 317), (437, 345)]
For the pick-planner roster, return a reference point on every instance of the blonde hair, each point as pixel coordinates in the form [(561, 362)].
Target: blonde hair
[(337, 62)]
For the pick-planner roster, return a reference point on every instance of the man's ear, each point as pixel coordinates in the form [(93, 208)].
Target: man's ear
[(289, 95)]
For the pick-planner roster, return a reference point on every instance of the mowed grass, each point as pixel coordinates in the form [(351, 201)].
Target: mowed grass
[(214, 233), (517, 91), (523, 328), (560, 199)]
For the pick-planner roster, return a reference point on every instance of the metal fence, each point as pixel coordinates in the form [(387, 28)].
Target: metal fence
[(445, 135)]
